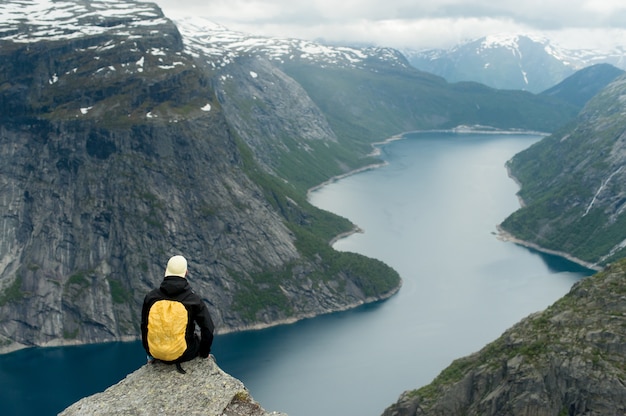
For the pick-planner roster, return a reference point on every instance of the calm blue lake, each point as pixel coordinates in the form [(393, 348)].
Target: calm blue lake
[(431, 213)]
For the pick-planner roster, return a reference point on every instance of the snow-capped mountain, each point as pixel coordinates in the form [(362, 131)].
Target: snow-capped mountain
[(222, 45), (65, 20), (511, 61), (110, 34)]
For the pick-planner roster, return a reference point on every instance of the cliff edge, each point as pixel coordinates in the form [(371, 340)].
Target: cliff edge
[(159, 389)]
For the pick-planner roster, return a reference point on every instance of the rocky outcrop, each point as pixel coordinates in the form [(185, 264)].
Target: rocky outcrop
[(254, 101), (158, 389), (566, 360)]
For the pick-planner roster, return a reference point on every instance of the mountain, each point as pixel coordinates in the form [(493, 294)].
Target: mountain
[(117, 153), (566, 360), (127, 138), (511, 61), (583, 85), (573, 184), (375, 93)]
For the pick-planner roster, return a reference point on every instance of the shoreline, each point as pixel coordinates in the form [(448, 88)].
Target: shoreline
[(245, 328), (402, 136), (347, 234), (344, 175), (375, 152), (508, 237), (505, 236), (293, 320)]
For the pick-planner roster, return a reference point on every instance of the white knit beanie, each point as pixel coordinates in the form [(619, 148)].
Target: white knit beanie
[(176, 266)]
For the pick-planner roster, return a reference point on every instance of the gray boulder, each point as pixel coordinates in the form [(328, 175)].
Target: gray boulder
[(159, 389)]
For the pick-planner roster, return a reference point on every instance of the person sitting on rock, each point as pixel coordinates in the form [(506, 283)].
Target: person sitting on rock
[(169, 317)]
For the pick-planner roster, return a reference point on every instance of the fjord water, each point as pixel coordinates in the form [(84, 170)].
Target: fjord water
[(431, 213)]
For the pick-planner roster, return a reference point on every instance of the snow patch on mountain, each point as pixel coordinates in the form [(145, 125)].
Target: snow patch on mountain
[(61, 20), (30, 21), (204, 38), (530, 61), (104, 25), (508, 40), (575, 58)]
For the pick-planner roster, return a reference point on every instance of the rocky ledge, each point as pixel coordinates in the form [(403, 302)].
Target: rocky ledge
[(159, 389)]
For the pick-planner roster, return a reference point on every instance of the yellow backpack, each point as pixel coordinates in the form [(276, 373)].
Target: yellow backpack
[(167, 324)]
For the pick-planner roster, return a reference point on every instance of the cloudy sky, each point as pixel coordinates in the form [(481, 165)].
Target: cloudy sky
[(416, 24)]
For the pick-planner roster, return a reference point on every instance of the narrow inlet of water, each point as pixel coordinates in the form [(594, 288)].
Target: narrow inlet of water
[(430, 213)]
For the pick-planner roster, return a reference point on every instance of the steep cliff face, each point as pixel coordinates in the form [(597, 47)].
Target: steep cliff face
[(567, 360), (115, 153), (158, 389), (573, 184), (271, 112)]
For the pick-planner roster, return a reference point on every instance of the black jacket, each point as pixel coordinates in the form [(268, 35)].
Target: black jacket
[(177, 288)]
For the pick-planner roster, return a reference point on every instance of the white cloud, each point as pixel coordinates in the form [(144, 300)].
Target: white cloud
[(604, 7), (406, 23)]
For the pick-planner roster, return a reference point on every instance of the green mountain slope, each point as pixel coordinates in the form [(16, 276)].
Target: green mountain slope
[(380, 102), (580, 87), (573, 184)]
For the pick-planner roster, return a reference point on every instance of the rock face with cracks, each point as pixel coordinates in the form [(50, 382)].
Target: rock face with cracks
[(116, 153)]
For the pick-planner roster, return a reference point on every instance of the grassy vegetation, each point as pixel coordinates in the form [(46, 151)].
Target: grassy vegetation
[(450, 375), (78, 279), (559, 178), (290, 200), (68, 335), (307, 168), (12, 293), (313, 229), (119, 293), (76, 284), (262, 293)]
